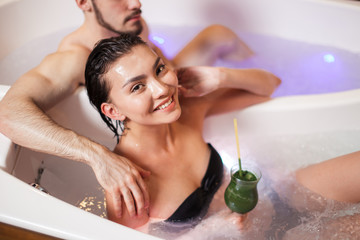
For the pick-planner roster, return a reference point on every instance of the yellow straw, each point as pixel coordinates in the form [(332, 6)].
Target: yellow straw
[(237, 143)]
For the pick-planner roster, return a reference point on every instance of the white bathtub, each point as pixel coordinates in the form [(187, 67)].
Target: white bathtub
[(326, 22)]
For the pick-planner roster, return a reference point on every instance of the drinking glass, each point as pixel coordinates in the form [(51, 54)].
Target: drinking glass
[(241, 196)]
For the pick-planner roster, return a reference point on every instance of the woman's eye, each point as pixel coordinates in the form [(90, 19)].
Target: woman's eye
[(137, 87), (160, 69)]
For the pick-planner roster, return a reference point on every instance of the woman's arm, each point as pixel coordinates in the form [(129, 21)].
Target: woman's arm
[(200, 81), (256, 81), (218, 90), (136, 221)]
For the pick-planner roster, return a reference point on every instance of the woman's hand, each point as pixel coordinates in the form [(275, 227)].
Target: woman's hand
[(198, 81), (123, 180)]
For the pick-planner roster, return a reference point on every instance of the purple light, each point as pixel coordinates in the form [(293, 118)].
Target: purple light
[(158, 39), (329, 58)]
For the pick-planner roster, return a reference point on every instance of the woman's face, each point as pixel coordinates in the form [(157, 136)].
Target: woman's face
[(143, 89)]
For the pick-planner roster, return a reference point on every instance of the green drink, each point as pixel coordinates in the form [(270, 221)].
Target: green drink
[(241, 195)]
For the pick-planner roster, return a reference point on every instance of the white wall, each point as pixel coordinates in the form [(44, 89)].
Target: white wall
[(23, 20)]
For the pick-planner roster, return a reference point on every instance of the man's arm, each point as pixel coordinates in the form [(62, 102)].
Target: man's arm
[(24, 121)]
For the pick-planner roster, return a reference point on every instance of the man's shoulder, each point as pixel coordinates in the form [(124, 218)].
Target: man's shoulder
[(74, 44), (68, 55), (68, 63), (77, 52)]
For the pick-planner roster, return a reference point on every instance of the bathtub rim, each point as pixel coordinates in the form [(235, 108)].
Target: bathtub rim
[(37, 218)]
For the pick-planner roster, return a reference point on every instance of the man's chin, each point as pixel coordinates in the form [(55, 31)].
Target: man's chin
[(135, 31), (138, 28)]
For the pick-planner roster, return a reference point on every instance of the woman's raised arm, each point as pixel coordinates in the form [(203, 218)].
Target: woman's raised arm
[(199, 81)]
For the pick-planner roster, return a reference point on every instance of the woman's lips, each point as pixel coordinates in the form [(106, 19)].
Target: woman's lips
[(166, 103)]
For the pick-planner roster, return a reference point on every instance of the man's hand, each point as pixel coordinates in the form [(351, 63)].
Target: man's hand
[(198, 81), (123, 180)]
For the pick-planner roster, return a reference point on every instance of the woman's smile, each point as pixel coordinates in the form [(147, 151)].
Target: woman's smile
[(166, 105)]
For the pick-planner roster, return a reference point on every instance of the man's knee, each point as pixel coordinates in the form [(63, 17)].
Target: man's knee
[(218, 34), (217, 28)]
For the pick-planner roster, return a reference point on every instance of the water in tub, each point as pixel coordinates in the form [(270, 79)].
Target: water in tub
[(285, 209)]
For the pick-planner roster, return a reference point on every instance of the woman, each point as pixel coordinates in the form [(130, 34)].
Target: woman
[(135, 92)]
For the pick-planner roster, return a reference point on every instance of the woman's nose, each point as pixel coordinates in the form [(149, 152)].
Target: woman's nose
[(158, 89)]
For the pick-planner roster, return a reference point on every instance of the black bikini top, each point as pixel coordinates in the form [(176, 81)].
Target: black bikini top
[(196, 205)]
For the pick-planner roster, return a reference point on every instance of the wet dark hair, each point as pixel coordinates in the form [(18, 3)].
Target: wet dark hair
[(104, 54)]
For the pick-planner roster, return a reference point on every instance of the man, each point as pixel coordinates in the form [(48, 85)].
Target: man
[(22, 110)]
